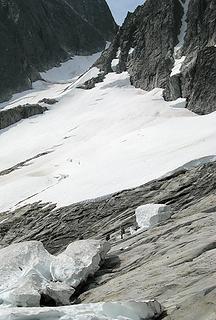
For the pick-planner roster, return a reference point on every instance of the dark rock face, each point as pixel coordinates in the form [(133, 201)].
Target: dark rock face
[(152, 30), (201, 29), (13, 115), (37, 35), (199, 82), (173, 262)]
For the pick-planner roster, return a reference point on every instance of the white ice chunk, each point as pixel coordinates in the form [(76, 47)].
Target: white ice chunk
[(80, 260), (24, 270), (151, 214), (178, 103), (127, 310), (27, 270)]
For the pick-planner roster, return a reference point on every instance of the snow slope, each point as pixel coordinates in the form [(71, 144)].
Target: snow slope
[(56, 81), (96, 142)]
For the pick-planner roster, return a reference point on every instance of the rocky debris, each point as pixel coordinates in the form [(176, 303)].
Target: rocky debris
[(38, 36), (146, 44), (152, 214), (90, 84), (48, 101), (127, 310), (23, 163), (13, 115), (31, 277)]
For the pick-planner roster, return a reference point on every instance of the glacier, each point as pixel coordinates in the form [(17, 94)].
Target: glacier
[(95, 142)]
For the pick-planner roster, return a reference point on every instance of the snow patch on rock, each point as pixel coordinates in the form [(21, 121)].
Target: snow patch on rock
[(115, 62), (179, 59)]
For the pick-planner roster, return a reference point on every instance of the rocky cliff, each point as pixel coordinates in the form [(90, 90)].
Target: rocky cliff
[(170, 44), (37, 35)]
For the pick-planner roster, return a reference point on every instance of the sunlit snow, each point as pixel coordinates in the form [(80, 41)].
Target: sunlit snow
[(95, 142)]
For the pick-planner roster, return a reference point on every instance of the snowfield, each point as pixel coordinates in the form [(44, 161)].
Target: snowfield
[(95, 142)]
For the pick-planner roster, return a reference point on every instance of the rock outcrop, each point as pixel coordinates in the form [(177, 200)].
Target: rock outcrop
[(156, 35), (13, 115), (36, 36)]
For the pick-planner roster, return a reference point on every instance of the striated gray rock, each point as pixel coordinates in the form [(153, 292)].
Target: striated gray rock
[(199, 82), (198, 75), (13, 115), (38, 35)]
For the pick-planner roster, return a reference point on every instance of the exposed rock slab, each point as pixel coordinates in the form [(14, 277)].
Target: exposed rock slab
[(13, 115)]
